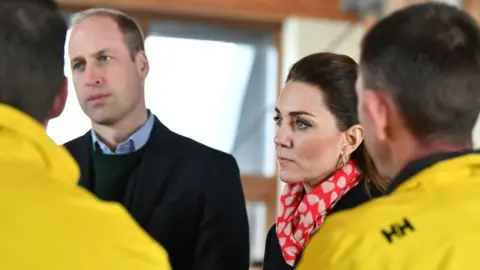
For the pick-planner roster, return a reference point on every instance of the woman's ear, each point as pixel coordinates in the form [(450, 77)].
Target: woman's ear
[(353, 138)]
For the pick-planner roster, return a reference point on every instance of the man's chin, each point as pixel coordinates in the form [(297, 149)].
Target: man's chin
[(102, 119)]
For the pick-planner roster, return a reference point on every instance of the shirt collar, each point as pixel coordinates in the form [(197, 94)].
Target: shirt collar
[(136, 141)]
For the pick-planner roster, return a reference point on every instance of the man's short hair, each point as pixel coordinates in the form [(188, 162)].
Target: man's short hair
[(32, 42), (132, 33), (427, 58)]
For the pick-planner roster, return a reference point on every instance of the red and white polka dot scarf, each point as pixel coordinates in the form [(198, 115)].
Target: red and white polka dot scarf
[(299, 217)]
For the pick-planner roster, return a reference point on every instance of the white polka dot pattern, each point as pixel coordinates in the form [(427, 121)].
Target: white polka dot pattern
[(299, 216)]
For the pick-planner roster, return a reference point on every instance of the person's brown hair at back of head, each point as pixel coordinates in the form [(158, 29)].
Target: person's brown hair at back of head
[(426, 57), (32, 49), (132, 33), (335, 76)]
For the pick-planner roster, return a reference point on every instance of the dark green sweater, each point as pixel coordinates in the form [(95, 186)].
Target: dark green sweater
[(115, 176)]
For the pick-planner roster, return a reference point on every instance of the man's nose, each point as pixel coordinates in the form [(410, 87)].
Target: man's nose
[(93, 76)]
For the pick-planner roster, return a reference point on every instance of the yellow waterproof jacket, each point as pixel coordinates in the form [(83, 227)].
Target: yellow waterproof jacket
[(48, 222), (430, 220)]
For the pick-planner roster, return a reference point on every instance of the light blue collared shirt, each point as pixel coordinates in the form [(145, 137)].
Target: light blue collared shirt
[(132, 144)]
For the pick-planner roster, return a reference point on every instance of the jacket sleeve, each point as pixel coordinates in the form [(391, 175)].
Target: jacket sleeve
[(223, 239)]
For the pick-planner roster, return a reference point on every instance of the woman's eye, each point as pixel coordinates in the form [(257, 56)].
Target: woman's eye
[(301, 124), (278, 120)]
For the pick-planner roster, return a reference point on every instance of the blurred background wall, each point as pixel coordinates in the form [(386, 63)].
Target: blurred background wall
[(217, 67)]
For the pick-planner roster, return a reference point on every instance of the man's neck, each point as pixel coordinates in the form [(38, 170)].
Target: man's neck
[(115, 134), (408, 150)]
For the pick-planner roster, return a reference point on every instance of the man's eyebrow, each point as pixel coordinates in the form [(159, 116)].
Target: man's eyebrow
[(95, 54)]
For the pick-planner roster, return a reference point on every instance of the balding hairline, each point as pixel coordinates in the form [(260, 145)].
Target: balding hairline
[(131, 31), (100, 11)]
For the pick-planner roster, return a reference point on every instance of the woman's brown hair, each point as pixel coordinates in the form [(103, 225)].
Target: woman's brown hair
[(335, 75)]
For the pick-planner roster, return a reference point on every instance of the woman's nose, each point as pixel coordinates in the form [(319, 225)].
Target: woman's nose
[(282, 138)]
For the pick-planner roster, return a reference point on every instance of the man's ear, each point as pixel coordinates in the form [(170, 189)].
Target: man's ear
[(353, 138), (143, 65), (60, 101), (377, 108)]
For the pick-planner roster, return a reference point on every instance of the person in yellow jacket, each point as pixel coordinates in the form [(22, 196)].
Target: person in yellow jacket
[(47, 220), (419, 99)]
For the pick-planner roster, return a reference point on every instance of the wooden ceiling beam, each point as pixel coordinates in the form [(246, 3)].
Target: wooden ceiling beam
[(258, 10)]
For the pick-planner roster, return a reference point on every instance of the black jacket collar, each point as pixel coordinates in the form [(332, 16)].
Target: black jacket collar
[(161, 154)]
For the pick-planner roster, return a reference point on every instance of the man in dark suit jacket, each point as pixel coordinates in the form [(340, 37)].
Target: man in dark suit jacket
[(186, 195)]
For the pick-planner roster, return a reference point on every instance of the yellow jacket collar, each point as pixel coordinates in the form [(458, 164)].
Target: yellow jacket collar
[(432, 169), (24, 142)]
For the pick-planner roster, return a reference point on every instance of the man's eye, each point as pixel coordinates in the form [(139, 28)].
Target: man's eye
[(76, 66), (104, 58)]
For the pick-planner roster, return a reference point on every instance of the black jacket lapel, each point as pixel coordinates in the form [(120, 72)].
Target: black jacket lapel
[(157, 162), (80, 149)]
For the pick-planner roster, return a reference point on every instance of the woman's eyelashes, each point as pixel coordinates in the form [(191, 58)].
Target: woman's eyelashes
[(302, 124), (297, 123), (278, 120)]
